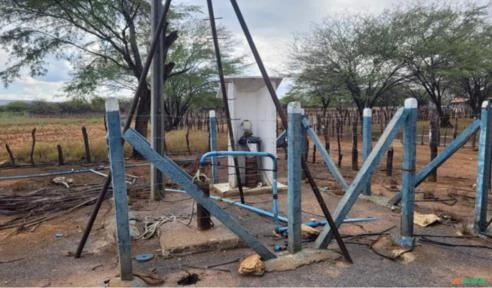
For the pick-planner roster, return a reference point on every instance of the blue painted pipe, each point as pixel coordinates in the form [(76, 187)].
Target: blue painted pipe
[(217, 154), (312, 223)]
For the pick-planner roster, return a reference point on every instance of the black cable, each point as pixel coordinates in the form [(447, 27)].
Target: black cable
[(435, 242)]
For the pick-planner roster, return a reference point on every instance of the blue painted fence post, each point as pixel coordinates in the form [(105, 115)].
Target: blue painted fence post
[(213, 144), (117, 166), (295, 142), (483, 171), (408, 173), (367, 141)]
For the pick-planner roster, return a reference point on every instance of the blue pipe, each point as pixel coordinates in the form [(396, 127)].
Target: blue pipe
[(217, 154), (272, 215)]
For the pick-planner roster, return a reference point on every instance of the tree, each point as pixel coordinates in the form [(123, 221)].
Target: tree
[(105, 40), (193, 53), (433, 46), (352, 54), (472, 72)]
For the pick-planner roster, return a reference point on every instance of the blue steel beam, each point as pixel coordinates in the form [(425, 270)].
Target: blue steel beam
[(443, 156), (483, 170), (360, 180), (326, 157), (120, 196), (295, 152), (212, 124), (367, 141), (168, 167), (408, 173)]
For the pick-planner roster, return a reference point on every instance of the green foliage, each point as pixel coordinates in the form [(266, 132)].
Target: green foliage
[(107, 42), (15, 107), (439, 43), (351, 56), (196, 84), (44, 108), (430, 51)]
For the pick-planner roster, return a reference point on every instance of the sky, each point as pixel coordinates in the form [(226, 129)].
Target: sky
[(273, 24)]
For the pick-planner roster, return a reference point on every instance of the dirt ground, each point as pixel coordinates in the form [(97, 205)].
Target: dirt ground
[(40, 258)]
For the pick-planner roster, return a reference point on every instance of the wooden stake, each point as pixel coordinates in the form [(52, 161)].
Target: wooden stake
[(86, 145), (33, 134), (11, 155), (61, 159)]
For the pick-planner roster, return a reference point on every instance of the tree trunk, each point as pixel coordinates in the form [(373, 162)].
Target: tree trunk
[(142, 117), (443, 118)]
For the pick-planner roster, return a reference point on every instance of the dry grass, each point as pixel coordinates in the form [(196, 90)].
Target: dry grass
[(15, 130)]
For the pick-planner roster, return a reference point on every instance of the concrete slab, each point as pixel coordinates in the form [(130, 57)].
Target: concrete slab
[(304, 257), (177, 239), (225, 190)]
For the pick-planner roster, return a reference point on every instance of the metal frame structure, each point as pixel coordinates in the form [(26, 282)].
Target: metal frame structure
[(404, 117), (484, 162)]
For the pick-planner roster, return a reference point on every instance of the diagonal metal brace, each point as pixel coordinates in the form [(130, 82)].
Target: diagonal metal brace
[(360, 180), (326, 157), (172, 170), (442, 157)]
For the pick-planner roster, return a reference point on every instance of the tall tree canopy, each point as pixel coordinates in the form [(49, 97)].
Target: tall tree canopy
[(354, 54), (106, 42), (435, 49)]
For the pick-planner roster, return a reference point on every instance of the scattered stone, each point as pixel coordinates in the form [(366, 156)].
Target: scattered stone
[(306, 256), (63, 181), (308, 232), (252, 265), (425, 220), (407, 257)]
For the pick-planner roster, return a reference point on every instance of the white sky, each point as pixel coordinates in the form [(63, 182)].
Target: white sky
[(273, 23)]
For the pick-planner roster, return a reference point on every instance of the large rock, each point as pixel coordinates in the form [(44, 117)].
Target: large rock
[(252, 265)]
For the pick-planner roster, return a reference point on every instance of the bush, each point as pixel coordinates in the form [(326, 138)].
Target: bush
[(16, 106), (44, 108)]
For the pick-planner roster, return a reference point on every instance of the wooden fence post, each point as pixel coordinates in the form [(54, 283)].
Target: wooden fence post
[(33, 135), (433, 144), (86, 145), (11, 155), (61, 159), (355, 152)]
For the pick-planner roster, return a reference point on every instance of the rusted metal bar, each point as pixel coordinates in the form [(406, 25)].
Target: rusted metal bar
[(224, 96), (283, 117)]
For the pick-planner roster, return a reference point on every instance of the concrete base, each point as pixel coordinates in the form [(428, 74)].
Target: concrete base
[(304, 257), (177, 239), (225, 190), (136, 282)]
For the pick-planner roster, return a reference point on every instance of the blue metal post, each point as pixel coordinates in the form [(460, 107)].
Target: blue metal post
[(117, 166), (408, 173), (213, 144), (367, 141), (295, 142), (332, 167), (483, 171), (351, 195)]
